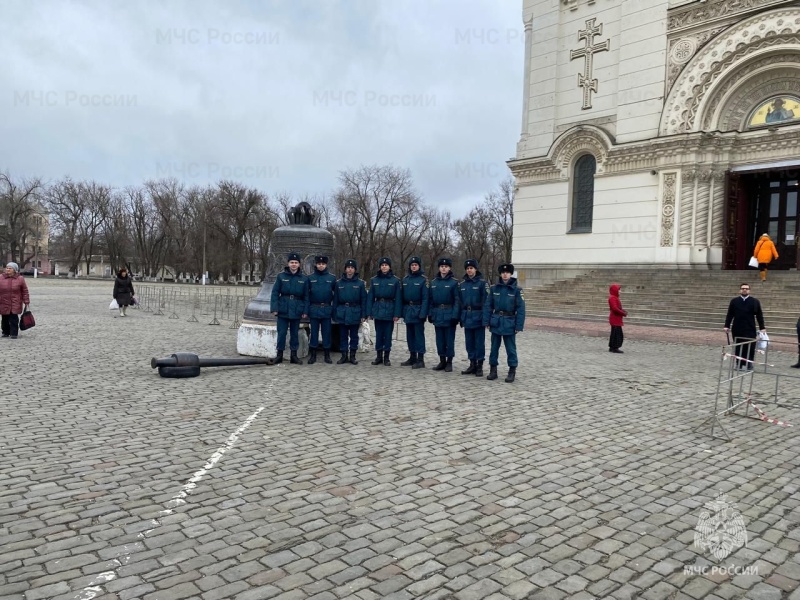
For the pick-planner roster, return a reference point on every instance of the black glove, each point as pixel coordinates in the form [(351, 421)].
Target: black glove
[(454, 322), (430, 319)]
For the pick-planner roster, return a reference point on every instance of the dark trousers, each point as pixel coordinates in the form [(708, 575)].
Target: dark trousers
[(475, 339), (293, 325), (383, 335), (798, 339), (616, 338), (316, 325), (446, 341), (10, 324), (510, 342), (348, 331), (415, 336), (747, 351)]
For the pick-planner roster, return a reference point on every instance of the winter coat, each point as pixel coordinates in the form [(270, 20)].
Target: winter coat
[(290, 294), (615, 306), (385, 298), (415, 297), (742, 316), (507, 304), (765, 250), (322, 286), (474, 299), (123, 290), (350, 300), (13, 294), (443, 301)]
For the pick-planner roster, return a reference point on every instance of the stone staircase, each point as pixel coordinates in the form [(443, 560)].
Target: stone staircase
[(669, 298)]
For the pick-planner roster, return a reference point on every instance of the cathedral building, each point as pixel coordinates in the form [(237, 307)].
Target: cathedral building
[(657, 134)]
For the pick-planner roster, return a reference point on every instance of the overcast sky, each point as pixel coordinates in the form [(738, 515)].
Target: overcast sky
[(278, 94)]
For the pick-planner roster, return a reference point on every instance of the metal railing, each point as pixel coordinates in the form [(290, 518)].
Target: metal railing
[(202, 304)]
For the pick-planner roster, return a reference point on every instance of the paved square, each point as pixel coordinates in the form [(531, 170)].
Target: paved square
[(584, 479)]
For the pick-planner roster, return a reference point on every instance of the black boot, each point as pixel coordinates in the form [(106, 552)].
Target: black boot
[(412, 358), (492, 373), (312, 356), (378, 359), (473, 365), (797, 366), (512, 373), (478, 368), (441, 365), (342, 360), (279, 357), (353, 360), (386, 361), (448, 367), (420, 364), (293, 360), (328, 357)]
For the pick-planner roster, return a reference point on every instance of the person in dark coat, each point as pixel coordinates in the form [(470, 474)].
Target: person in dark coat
[(384, 307), (444, 309), (123, 291), (743, 312), (14, 299), (321, 287), (289, 302), (473, 294), (797, 364), (507, 305), (615, 315), (349, 309), (415, 310)]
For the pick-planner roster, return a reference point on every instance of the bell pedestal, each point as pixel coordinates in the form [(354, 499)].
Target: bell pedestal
[(260, 339)]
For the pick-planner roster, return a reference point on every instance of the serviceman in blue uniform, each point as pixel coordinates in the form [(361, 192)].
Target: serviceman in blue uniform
[(349, 309), (384, 307), (473, 292), (443, 312), (289, 302), (507, 319), (321, 285), (415, 311)]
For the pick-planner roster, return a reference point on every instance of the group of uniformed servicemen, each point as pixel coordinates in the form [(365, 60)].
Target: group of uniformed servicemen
[(445, 301)]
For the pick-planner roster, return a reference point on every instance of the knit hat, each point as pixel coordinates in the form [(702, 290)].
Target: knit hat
[(445, 261), (470, 262), (293, 256), (14, 266)]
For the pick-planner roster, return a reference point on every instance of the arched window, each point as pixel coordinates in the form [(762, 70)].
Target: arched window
[(583, 193)]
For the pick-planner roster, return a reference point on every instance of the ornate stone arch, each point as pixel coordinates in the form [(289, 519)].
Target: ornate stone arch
[(700, 88), (582, 139)]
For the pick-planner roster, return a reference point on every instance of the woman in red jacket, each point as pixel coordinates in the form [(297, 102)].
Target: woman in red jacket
[(615, 319), (13, 299)]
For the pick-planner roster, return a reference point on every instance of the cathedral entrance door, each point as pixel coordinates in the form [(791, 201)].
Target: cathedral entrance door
[(774, 210)]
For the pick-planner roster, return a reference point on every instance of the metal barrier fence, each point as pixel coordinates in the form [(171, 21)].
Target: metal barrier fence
[(210, 305)]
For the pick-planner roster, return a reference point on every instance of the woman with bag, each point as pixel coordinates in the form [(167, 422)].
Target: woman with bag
[(764, 252), (123, 291), (14, 299)]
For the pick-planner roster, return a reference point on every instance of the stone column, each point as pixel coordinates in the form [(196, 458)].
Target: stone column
[(526, 80), (687, 204), (717, 207)]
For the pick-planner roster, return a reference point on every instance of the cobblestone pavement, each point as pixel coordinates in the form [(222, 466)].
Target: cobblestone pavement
[(583, 479)]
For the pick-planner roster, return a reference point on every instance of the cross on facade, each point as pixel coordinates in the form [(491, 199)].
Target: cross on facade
[(585, 80)]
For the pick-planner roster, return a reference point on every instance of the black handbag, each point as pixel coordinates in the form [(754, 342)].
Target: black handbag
[(26, 321)]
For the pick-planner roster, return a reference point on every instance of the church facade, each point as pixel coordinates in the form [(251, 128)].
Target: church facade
[(657, 134)]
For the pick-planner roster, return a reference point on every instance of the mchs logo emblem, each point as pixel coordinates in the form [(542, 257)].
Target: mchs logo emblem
[(720, 528)]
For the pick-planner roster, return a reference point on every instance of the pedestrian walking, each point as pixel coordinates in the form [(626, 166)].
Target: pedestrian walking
[(443, 312), (321, 288), (615, 315), (797, 364), (289, 302), (764, 252), (14, 299), (473, 293), (384, 307), (743, 313), (349, 310), (123, 290), (415, 310), (507, 306)]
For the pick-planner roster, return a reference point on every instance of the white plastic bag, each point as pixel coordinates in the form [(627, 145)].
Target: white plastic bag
[(113, 305), (763, 340), (753, 262)]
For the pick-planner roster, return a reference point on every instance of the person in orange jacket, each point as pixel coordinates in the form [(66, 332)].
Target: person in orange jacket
[(764, 252)]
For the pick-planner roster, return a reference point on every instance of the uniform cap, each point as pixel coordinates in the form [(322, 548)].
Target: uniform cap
[(350, 263), (293, 256), (445, 261), (470, 262), (321, 259), (506, 268), (385, 260)]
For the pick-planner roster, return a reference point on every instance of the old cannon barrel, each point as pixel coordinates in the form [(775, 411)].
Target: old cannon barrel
[(186, 359)]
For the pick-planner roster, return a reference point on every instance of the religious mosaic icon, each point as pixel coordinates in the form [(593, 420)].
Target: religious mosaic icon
[(775, 111)]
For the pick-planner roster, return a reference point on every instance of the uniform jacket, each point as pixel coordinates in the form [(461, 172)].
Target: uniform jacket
[(321, 288), (742, 316), (350, 300), (765, 250), (444, 304), (385, 298), (474, 297), (415, 297), (615, 306), (123, 290), (13, 294), (290, 294), (506, 298)]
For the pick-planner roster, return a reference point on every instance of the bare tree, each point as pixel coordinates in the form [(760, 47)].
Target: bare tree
[(98, 198), (68, 207), (500, 205), (18, 206), (439, 235), (475, 234), (235, 205)]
